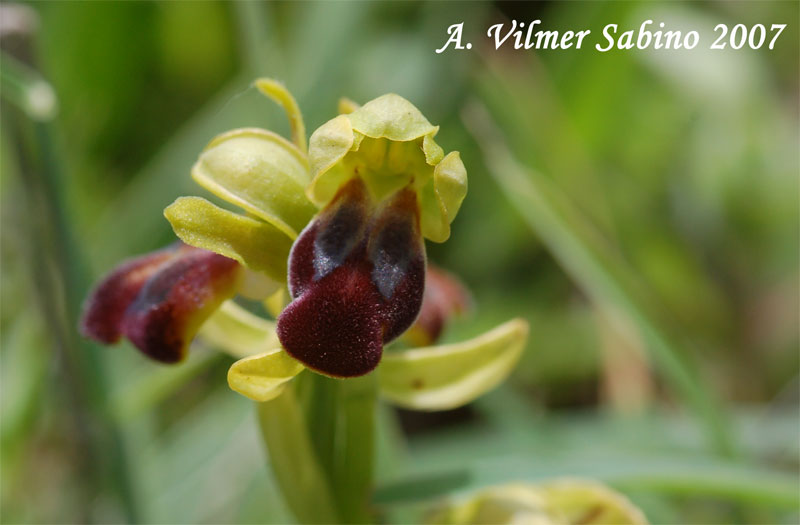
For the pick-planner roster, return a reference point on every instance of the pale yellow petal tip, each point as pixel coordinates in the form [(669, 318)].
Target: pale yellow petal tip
[(263, 377), (520, 327), (278, 93), (449, 376), (272, 87), (347, 106)]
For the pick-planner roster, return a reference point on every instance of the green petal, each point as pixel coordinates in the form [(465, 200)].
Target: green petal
[(256, 244), (433, 152), (442, 196), (393, 117), (261, 172), (263, 377), (238, 332), (450, 182), (328, 145), (448, 376)]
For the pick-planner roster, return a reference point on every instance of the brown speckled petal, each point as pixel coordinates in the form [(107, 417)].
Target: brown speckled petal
[(159, 300), (357, 276)]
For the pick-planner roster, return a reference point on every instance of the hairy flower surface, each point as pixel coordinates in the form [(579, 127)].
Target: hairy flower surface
[(338, 228), (357, 272), (159, 300)]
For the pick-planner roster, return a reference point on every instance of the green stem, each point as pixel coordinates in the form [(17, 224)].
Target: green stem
[(61, 279), (24, 87), (320, 436), (355, 443), (293, 460)]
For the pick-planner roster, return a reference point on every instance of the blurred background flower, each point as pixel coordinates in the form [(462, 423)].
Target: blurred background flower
[(639, 209)]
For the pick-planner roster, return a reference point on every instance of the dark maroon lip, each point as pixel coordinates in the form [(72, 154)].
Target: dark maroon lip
[(158, 300), (357, 276)]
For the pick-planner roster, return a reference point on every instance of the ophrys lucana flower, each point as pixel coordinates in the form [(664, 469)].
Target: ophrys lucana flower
[(338, 228)]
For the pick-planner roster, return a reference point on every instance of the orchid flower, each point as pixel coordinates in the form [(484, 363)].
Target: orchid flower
[(332, 240), (562, 501)]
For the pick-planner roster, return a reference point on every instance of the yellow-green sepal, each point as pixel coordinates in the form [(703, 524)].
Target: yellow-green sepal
[(238, 332), (262, 173), (449, 376), (262, 377), (256, 244)]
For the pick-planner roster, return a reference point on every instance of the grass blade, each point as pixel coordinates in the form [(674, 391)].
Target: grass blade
[(597, 269)]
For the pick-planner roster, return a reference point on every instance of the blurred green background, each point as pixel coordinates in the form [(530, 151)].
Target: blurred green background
[(639, 208)]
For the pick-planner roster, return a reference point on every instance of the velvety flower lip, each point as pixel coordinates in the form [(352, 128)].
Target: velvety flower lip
[(159, 300), (357, 272), (357, 275)]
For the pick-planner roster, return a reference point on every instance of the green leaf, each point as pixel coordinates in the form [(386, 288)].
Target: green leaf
[(597, 268), (26, 89), (698, 477)]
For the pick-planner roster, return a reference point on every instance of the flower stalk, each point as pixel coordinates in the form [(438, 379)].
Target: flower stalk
[(320, 436)]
